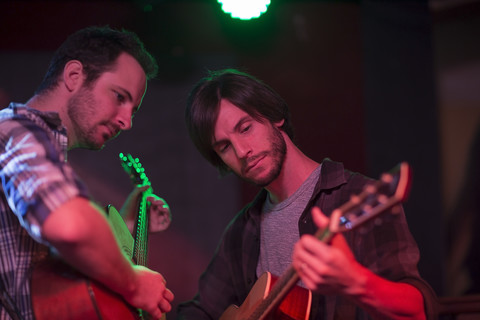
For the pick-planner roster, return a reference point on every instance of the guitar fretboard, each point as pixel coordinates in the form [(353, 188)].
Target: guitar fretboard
[(140, 251), (137, 174)]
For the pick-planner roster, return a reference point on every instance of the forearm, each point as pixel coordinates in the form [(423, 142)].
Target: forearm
[(384, 299), (86, 242)]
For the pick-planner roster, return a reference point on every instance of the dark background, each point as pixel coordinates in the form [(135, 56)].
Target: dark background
[(369, 84)]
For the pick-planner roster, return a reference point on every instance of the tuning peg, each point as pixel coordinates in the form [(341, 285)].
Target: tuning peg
[(386, 177)]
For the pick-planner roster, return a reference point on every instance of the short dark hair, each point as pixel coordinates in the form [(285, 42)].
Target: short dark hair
[(97, 48), (242, 90)]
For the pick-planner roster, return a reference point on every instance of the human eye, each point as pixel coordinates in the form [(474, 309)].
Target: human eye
[(222, 148), (120, 97), (245, 128)]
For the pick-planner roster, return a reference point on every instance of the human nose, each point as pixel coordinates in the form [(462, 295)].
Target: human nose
[(242, 149), (124, 120)]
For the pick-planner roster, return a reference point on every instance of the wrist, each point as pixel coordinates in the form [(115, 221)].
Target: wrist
[(128, 285), (359, 284)]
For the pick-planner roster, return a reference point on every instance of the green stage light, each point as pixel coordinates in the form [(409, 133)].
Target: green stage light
[(244, 9)]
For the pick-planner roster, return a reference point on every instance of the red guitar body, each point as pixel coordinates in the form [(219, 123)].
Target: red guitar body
[(295, 306), (62, 293)]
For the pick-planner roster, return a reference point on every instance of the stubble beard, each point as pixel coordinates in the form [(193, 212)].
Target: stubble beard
[(277, 154), (81, 109)]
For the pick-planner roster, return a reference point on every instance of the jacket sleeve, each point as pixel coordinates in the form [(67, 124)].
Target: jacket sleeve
[(217, 288)]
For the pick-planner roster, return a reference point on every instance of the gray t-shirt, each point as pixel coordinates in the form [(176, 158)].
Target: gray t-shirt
[(279, 227)]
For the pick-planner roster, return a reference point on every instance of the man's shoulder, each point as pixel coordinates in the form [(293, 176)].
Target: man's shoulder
[(18, 120), (10, 111), (21, 112), (249, 214), (17, 113), (336, 168), (334, 176), (14, 122)]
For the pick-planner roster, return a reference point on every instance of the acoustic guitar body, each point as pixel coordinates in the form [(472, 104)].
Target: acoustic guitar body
[(295, 306), (62, 293)]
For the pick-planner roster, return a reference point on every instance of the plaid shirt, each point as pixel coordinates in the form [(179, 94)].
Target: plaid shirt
[(388, 250), (35, 181)]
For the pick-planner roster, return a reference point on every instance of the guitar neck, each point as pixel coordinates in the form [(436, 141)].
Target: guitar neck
[(134, 169), (140, 248)]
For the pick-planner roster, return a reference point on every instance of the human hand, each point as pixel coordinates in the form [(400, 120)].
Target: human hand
[(326, 268), (151, 293), (160, 215), (129, 209)]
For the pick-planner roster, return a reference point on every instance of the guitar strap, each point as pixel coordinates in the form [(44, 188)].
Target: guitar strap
[(7, 302)]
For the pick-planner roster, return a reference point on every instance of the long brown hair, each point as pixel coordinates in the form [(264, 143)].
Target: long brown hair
[(242, 90)]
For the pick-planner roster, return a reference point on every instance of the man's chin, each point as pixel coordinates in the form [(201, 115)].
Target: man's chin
[(96, 148), (262, 182), (93, 145), (266, 179)]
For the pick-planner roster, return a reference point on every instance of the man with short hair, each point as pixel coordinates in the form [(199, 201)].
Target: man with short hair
[(93, 87)]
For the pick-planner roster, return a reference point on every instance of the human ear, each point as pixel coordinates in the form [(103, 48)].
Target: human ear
[(279, 124), (73, 75)]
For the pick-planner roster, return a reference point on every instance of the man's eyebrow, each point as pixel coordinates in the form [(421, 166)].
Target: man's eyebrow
[(241, 122), (129, 98), (235, 128), (217, 143), (125, 92)]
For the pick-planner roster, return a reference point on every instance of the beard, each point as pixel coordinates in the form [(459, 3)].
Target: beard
[(82, 110), (277, 154)]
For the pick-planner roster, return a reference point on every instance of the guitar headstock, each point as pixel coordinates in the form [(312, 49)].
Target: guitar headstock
[(386, 193), (134, 169)]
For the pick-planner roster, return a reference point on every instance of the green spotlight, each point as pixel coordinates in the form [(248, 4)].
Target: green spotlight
[(244, 9)]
